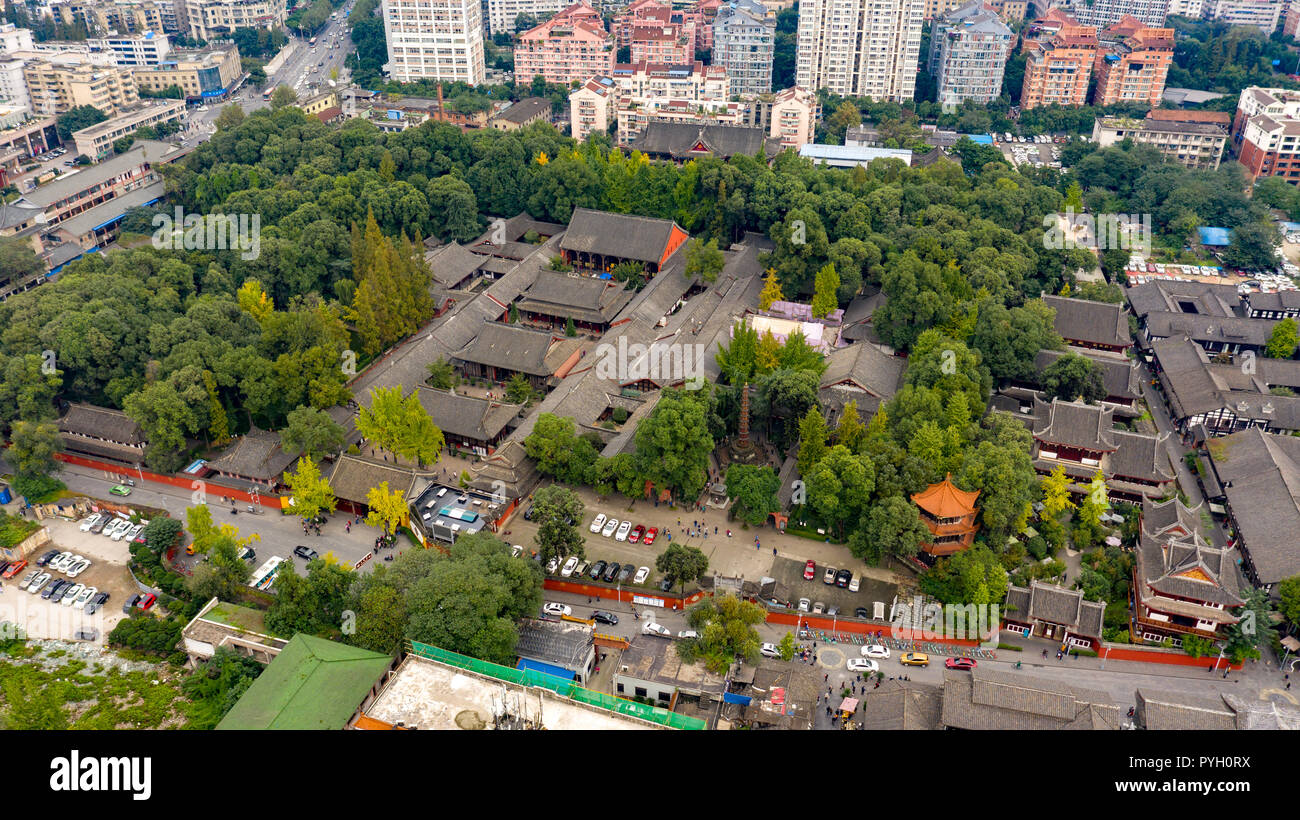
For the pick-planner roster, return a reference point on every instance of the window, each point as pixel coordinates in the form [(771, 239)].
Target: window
[(640, 692)]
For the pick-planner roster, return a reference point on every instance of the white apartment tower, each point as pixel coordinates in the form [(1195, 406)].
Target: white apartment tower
[(860, 48), (744, 42), (968, 55), (435, 40)]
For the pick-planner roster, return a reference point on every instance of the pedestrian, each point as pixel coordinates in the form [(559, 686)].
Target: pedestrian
[(774, 550), (826, 677), (1211, 668), (1288, 685), (1225, 673), (715, 529)]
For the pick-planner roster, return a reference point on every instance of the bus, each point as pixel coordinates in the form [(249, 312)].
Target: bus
[(265, 575), (266, 95)]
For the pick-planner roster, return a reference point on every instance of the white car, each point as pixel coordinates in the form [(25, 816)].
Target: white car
[(78, 568), (114, 526), (855, 584), (557, 609), (120, 532), (862, 665), (623, 530), (87, 523), (85, 596), (39, 582), (875, 650), (641, 574), (769, 650), (598, 523), (59, 560), (516, 551), (551, 565), (71, 594), (28, 578), (610, 526), (569, 566), (656, 629), (688, 633), (805, 605)]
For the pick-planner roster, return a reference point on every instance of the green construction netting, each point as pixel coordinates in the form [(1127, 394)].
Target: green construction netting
[(558, 685)]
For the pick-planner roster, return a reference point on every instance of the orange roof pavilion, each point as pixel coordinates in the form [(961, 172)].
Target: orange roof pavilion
[(949, 513)]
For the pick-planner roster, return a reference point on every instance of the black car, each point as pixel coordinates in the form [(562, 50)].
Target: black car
[(666, 584), (597, 569), (602, 617), (87, 634), (93, 605), (47, 558), (611, 572), (59, 587), (528, 514), (861, 612), (131, 602), (4, 565), (843, 577), (626, 573), (306, 553)]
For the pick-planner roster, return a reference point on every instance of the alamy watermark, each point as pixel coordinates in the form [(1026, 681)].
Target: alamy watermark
[(917, 620), (1103, 232), (209, 232), (660, 362)]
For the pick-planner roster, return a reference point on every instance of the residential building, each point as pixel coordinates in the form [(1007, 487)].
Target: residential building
[(201, 75), (74, 193), (1049, 611), (860, 48), (1103, 13), (670, 43), (572, 46), (744, 39), (591, 107), (1082, 439), (58, 84), (27, 137), (634, 116), (1008, 10), (147, 48), (218, 19), (694, 22), (1059, 59), (949, 514), (1194, 144), (96, 141), (1259, 477), (126, 16), (1266, 133), (435, 40), (1290, 20), (13, 38), (1186, 8), (1182, 585), (793, 117), (1262, 14), (600, 240), (968, 55), (13, 85), (1132, 64), (502, 14), (692, 81)]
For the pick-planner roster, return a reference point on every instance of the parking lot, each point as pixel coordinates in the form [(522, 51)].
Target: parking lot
[(790, 572), (107, 573)]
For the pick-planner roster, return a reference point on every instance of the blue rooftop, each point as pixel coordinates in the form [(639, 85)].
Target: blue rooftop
[(1216, 237)]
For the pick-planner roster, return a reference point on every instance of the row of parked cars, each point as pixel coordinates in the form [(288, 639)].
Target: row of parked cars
[(624, 530), (59, 590), (112, 526)]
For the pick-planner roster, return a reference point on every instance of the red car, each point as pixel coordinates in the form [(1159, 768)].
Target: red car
[(635, 534), (147, 601), (15, 568), (650, 535), (810, 570), (959, 663)]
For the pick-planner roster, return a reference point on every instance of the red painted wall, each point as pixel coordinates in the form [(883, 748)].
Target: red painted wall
[(183, 482), (626, 595)]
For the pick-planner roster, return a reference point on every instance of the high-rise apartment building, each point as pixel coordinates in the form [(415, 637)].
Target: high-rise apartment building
[(218, 19), (968, 55), (1266, 132), (1133, 63), (13, 38), (744, 42), (1008, 10), (694, 22), (1102, 13), (572, 46), (126, 16), (502, 14), (1185, 8), (1059, 58), (59, 83), (860, 48), (435, 40), (148, 48), (1262, 14), (794, 117), (662, 43), (591, 107)]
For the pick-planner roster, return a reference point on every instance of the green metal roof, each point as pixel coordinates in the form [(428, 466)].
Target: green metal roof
[(312, 684)]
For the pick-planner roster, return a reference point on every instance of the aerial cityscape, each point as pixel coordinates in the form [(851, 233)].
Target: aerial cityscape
[(526, 364)]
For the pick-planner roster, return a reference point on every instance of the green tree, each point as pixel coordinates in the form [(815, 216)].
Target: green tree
[(387, 509), (77, 118), (1282, 340), (1243, 639), (891, 526), (771, 291), (311, 432), (703, 259), (519, 390), (558, 451), (786, 647), (1289, 599), (812, 440), (754, 489), (673, 443), (850, 431), (230, 116), (839, 486), (682, 564), (825, 290), (972, 576), (1074, 378), (557, 513), (32, 447), (442, 376), (18, 261), (1056, 493), (401, 425), (283, 96), (1254, 247), (726, 629)]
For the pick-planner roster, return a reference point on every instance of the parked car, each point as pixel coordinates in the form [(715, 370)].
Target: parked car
[(85, 597), (597, 570), (15, 568), (829, 576), (78, 567), (611, 572), (146, 603), (650, 536), (118, 489), (598, 522), (552, 565), (41, 581), (610, 525), (528, 514), (641, 574), (112, 527), (55, 589), (28, 578), (87, 633), (581, 569), (45, 559), (569, 566), (769, 650), (600, 616), (833, 609), (70, 594), (687, 634), (623, 530), (95, 603), (556, 609), (636, 533), (666, 584), (810, 570), (91, 521), (855, 585), (625, 574), (861, 612), (862, 665), (56, 563), (656, 629), (960, 663), (101, 523), (875, 650), (305, 553), (842, 578), (805, 605), (914, 659), (819, 607), (131, 602)]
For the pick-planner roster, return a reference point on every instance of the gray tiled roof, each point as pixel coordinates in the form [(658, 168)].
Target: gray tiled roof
[(1163, 562), (1230, 330), (676, 139), (452, 264), (864, 366), (1172, 296), (256, 455), (101, 422), (1058, 605), (983, 699), (1160, 710), (1260, 474), (624, 236), (466, 416), (354, 477), (1119, 374), (510, 347), (1075, 424), (1087, 322), (902, 706), (1138, 455), (584, 298)]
